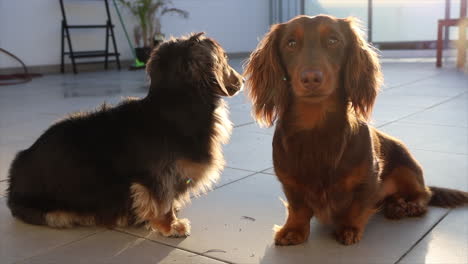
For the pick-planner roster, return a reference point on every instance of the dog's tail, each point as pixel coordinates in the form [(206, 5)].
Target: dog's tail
[(444, 197)]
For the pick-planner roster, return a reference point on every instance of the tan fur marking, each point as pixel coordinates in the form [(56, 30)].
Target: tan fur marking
[(356, 176), (194, 170), (170, 226), (323, 29), (305, 115), (144, 206), (386, 189), (62, 219), (122, 221), (407, 181)]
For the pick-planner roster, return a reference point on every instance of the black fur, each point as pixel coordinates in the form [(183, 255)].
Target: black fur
[(86, 163)]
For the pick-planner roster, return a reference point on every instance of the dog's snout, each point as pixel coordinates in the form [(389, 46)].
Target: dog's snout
[(311, 79)]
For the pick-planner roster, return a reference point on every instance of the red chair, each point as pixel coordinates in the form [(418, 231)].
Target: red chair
[(462, 24)]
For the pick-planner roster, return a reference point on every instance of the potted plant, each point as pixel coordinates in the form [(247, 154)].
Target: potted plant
[(147, 34)]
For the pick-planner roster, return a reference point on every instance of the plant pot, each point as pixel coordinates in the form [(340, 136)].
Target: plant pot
[(143, 53)]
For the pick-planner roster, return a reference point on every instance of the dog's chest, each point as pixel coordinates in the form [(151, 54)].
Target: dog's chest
[(310, 168), (199, 175)]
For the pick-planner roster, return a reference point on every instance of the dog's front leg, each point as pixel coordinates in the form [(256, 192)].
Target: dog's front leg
[(169, 225), (351, 226), (296, 230), (158, 213)]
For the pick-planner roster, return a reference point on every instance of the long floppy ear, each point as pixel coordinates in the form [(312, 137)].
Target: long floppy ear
[(265, 79), (206, 56), (361, 74)]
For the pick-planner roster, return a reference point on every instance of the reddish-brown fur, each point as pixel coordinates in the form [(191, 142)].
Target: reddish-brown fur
[(331, 163)]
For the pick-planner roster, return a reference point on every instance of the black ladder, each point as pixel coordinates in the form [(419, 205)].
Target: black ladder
[(90, 53)]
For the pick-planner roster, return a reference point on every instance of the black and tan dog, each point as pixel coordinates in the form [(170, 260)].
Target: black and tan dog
[(135, 162)]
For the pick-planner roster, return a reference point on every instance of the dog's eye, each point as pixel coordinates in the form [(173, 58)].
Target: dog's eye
[(292, 43), (332, 41)]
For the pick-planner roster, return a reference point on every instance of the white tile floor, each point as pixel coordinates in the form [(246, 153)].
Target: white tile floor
[(424, 106)]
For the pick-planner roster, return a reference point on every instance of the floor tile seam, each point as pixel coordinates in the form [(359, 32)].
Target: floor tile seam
[(422, 110), (442, 152), (61, 246), (237, 180), (411, 82), (265, 170), (423, 236), (430, 124), (244, 124), (195, 196), (172, 246), (235, 168)]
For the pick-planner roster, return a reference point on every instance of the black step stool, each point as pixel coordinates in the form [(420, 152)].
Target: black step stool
[(91, 53)]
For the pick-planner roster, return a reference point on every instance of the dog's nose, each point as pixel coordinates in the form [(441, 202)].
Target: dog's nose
[(311, 79)]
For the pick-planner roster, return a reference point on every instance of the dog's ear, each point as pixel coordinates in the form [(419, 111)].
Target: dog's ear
[(361, 73), (196, 37), (267, 87), (205, 58), (219, 78)]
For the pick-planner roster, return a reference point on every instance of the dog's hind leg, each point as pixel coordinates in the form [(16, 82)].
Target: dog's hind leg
[(159, 215), (64, 219), (27, 214), (57, 219), (410, 196)]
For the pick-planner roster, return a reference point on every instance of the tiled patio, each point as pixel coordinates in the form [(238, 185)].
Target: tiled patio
[(424, 106)]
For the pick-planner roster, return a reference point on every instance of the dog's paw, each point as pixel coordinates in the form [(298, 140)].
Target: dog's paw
[(180, 228), (288, 236), (396, 209), (177, 228), (415, 209), (348, 235)]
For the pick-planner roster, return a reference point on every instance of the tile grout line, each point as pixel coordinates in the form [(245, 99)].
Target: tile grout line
[(60, 246), (264, 171), (234, 168), (412, 82), (252, 174), (244, 124), (422, 237), (428, 124), (443, 152), (422, 110), (172, 246)]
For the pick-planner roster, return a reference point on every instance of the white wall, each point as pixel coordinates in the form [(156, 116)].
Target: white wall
[(30, 29)]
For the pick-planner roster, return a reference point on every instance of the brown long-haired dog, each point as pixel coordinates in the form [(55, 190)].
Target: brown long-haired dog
[(318, 78), (133, 163)]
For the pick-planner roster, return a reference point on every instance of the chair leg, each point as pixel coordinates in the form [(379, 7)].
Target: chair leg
[(439, 45), (461, 53), (62, 62), (107, 46)]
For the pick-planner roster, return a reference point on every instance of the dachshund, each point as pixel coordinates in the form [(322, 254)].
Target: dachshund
[(317, 78), (137, 162)]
